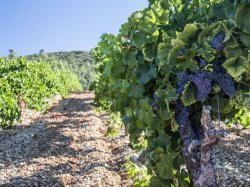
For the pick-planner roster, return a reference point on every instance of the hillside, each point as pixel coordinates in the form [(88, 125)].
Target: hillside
[(79, 62)]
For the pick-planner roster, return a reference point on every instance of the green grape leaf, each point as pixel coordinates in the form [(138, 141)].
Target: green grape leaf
[(218, 11), (227, 32), (140, 124), (188, 95), (107, 43), (174, 124), (206, 54), (231, 43), (248, 55), (125, 83), (156, 181), (107, 69), (236, 66), (135, 91), (242, 18), (232, 52), (168, 94), (165, 4), (177, 43), (129, 111), (245, 38), (229, 9), (165, 167), (176, 51), (139, 38), (117, 69), (163, 141), (125, 29), (163, 50), (145, 72), (149, 51), (164, 114), (129, 58), (159, 150), (188, 32), (146, 115), (149, 118)]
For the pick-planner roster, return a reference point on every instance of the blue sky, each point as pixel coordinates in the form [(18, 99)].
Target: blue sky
[(60, 25)]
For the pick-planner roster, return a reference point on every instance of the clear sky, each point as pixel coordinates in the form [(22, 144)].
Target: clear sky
[(60, 25)]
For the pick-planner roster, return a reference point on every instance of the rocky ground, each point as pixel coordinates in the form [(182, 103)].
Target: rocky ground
[(68, 147), (233, 158)]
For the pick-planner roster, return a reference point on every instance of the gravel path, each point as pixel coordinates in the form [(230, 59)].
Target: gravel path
[(233, 159), (66, 147)]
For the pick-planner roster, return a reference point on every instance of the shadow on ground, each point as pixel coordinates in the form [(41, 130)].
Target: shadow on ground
[(45, 139)]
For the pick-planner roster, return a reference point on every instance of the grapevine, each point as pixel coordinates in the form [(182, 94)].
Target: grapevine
[(30, 83), (168, 62)]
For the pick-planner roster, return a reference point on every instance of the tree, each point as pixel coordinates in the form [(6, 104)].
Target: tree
[(41, 52), (12, 54)]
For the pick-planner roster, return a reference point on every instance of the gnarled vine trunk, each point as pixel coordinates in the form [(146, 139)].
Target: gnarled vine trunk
[(198, 152)]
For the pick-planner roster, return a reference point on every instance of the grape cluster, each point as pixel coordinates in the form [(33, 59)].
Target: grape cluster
[(203, 82), (181, 114), (202, 79), (183, 117), (179, 106), (182, 80), (217, 41), (224, 80)]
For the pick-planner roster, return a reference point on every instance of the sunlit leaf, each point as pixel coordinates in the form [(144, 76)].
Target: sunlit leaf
[(236, 66)]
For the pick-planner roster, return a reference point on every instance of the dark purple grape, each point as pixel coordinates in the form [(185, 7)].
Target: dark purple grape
[(182, 80), (179, 106), (224, 80), (154, 106), (217, 41), (202, 62), (203, 82), (181, 114)]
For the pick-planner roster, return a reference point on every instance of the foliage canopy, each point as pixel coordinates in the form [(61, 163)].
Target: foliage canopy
[(139, 73)]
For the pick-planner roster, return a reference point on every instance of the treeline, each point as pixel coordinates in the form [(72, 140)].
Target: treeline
[(78, 62)]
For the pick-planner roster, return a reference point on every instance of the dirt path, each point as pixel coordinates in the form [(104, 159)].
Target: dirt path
[(233, 159), (67, 147)]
